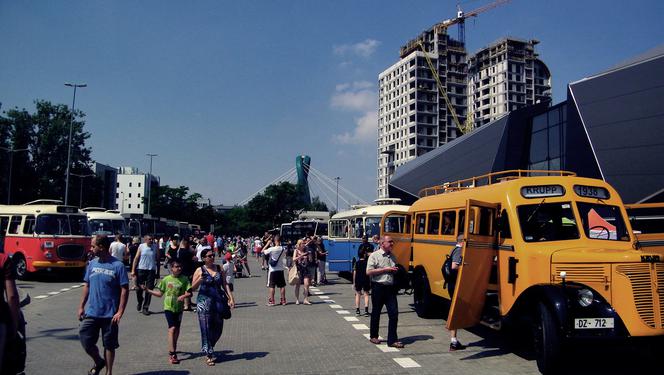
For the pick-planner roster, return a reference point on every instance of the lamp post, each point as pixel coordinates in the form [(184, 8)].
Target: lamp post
[(71, 125), (150, 181), (337, 179), (81, 177), (11, 152)]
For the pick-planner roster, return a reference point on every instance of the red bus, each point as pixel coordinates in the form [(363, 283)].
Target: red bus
[(44, 235)]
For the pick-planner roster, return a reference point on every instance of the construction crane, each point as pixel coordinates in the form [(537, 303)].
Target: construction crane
[(461, 18)]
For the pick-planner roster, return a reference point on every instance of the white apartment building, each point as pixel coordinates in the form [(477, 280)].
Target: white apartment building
[(413, 118), (132, 187), (505, 76)]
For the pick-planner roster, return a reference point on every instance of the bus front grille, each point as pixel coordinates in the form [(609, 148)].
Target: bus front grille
[(659, 267), (583, 274), (70, 252), (642, 286)]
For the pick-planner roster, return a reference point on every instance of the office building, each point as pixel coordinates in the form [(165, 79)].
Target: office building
[(109, 177), (132, 189), (414, 118), (503, 77)]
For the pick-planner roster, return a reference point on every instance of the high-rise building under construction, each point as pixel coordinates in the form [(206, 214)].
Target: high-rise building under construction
[(505, 76), (413, 118)]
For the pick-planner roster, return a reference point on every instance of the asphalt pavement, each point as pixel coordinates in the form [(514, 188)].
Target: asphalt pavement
[(324, 338)]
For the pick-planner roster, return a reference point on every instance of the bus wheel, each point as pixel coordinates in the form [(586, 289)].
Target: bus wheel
[(547, 340), (426, 305), (20, 266)]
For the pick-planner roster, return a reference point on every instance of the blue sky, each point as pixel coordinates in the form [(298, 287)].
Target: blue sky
[(229, 92)]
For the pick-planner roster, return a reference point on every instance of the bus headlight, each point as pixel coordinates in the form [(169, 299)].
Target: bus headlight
[(48, 255), (586, 297)]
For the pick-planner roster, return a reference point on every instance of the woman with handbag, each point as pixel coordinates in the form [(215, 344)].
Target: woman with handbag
[(213, 302), (301, 258)]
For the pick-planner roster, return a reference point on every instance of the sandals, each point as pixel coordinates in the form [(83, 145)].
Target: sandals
[(210, 361), (396, 344), (97, 368), (306, 302), (374, 340)]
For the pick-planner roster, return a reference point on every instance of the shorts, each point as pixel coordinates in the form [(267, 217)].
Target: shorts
[(89, 333), (174, 319), (363, 286), (277, 279)]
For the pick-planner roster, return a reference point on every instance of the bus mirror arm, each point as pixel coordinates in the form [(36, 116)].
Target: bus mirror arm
[(636, 245)]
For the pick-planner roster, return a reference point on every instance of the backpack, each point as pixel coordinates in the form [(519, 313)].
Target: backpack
[(449, 275)]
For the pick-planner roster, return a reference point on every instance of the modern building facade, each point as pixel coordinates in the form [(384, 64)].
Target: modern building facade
[(505, 76), (132, 188), (109, 177), (610, 127), (413, 117)]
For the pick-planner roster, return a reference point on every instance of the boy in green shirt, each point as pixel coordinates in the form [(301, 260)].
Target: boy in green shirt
[(175, 288)]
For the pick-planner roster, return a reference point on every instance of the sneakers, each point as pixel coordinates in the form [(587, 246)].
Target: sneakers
[(366, 312), (270, 302), (283, 302), (456, 345), (357, 311), (173, 359), (145, 312), (139, 307)]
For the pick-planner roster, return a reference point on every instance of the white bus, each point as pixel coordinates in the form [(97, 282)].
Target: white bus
[(108, 222)]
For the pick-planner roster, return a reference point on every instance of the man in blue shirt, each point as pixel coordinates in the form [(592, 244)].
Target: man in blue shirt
[(105, 292)]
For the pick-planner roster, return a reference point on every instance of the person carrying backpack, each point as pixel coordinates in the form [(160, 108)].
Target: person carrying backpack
[(450, 272)]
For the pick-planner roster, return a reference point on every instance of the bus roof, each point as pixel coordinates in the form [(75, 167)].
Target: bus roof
[(375, 210), (107, 215), (34, 208)]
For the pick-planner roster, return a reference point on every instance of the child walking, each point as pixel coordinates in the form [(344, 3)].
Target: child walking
[(175, 289), (361, 283)]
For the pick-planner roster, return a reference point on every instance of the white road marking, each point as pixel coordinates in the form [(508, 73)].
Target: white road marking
[(351, 319), (318, 293), (329, 301), (369, 337), (40, 297), (360, 326), (314, 289), (336, 306), (76, 286), (324, 297), (342, 312), (53, 293), (406, 362), (65, 289), (386, 349)]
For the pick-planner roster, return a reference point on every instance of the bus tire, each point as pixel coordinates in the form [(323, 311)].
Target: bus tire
[(20, 266), (427, 306), (547, 340)]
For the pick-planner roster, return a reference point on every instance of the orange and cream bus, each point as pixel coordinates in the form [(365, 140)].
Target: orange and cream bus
[(550, 250), (44, 235)]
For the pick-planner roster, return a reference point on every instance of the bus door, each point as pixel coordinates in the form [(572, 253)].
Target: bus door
[(479, 250), (396, 224), (338, 247)]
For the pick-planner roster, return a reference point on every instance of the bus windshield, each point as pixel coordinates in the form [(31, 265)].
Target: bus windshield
[(548, 222), (54, 224), (372, 226), (107, 226), (602, 222)]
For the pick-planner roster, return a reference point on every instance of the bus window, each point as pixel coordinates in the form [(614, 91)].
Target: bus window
[(434, 223), (397, 224), (548, 222), (420, 219), (504, 227), (462, 221), (14, 224), (449, 219), (338, 228), (372, 226), (29, 226), (4, 223), (357, 227), (602, 222), (78, 225), (485, 222)]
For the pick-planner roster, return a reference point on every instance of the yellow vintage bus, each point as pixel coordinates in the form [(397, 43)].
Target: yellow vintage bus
[(546, 248)]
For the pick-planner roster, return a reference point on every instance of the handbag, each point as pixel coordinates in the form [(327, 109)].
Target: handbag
[(274, 263), (223, 307), (293, 277)]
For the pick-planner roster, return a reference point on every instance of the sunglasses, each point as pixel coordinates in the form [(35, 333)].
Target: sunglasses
[(209, 256)]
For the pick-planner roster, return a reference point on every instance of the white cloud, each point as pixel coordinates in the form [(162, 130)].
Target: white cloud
[(365, 48), (360, 97)]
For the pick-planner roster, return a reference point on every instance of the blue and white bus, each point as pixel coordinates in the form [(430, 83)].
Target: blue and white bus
[(346, 228)]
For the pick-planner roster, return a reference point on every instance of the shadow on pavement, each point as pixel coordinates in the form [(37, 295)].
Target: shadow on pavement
[(225, 356), (411, 339), (165, 372), (245, 304), (55, 333)]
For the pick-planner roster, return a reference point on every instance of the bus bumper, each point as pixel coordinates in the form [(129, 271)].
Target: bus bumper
[(42, 264)]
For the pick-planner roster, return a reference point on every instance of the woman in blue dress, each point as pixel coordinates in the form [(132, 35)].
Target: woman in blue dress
[(210, 278)]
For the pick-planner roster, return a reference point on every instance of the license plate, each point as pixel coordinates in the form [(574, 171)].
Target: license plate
[(71, 264), (593, 323)]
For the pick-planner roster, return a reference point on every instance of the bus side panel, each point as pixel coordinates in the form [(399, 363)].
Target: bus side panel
[(431, 257), (401, 249), (339, 256)]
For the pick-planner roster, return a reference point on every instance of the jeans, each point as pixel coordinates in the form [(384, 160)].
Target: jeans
[(321, 272), (144, 277), (384, 295)]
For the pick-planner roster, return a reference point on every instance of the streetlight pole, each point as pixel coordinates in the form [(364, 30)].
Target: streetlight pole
[(71, 125), (81, 177), (11, 152), (337, 179), (150, 181)]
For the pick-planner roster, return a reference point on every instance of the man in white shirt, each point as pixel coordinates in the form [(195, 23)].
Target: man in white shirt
[(202, 245), (276, 278), (118, 249)]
